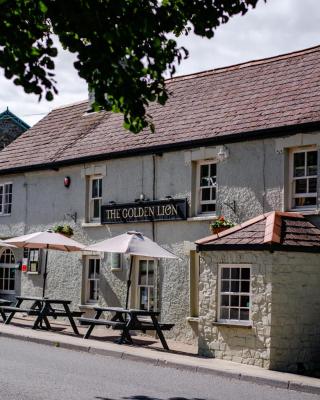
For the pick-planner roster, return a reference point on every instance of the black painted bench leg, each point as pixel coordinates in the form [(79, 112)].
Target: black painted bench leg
[(9, 318), (89, 331)]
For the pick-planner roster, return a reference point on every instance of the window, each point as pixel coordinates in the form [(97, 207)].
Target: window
[(7, 272), (5, 198), (93, 279), (32, 260), (304, 166), (234, 293), (146, 273), (207, 178), (95, 199)]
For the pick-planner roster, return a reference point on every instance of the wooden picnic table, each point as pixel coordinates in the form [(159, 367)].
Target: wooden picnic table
[(126, 321), (42, 308)]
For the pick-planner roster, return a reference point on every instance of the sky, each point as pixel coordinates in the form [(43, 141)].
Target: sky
[(273, 28)]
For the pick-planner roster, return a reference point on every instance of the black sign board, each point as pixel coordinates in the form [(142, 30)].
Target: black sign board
[(144, 211)]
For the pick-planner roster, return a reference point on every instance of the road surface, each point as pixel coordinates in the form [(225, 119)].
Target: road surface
[(30, 371)]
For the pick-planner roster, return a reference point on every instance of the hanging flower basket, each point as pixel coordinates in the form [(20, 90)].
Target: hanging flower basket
[(65, 230), (220, 224)]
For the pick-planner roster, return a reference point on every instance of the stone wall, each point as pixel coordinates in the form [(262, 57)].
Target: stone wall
[(295, 323), (249, 345)]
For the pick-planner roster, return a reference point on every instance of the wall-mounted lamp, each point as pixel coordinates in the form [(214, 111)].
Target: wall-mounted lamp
[(223, 153), (141, 197), (169, 197), (67, 181)]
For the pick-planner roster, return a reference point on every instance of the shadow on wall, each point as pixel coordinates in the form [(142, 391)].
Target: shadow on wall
[(107, 293), (137, 397)]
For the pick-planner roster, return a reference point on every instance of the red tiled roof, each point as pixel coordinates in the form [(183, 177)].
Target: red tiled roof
[(275, 230), (237, 102)]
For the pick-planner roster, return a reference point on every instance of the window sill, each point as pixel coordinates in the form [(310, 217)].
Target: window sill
[(201, 218), (230, 324), (305, 211), (193, 319), (91, 224), (33, 273)]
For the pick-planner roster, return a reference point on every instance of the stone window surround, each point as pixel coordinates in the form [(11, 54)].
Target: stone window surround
[(232, 321)]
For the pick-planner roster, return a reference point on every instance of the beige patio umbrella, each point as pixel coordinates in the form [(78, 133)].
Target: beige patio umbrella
[(7, 245), (45, 240), (132, 243)]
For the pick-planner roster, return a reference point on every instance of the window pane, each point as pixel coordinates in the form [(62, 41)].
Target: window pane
[(301, 186), (299, 164), (97, 267), (244, 302), (11, 284), (245, 287), (225, 286), (95, 188), (205, 195), (213, 171), (234, 313), (234, 286), (208, 207), (312, 185), (143, 298), (224, 313), (305, 201), (244, 315), (100, 188), (150, 273), (235, 301), (312, 163), (151, 299), (225, 273), (245, 273), (91, 268), (143, 272), (225, 300), (204, 173), (235, 273), (96, 208)]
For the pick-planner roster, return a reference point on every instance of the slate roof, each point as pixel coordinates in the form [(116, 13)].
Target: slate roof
[(272, 231), (245, 101)]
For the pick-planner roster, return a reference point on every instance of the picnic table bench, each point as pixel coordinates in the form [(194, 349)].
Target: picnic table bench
[(42, 308), (127, 320), (4, 302)]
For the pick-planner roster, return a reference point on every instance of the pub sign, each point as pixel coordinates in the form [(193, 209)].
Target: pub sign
[(144, 211)]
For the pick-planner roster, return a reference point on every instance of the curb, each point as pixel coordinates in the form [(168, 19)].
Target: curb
[(157, 362)]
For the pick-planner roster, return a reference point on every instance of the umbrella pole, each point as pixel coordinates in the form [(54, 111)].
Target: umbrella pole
[(129, 282), (45, 272)]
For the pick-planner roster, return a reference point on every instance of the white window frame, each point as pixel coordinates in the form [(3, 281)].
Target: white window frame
[(293, 195), (8, 266), (88, 300), (200, 202), (220, 293), (3, 201), (93, 199), (137, 297)]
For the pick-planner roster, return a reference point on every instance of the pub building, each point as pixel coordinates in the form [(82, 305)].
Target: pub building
[(242, 142)]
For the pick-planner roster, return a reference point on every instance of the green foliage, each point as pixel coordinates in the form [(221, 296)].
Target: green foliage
[(63, 229), (221, 222), (123, 47)]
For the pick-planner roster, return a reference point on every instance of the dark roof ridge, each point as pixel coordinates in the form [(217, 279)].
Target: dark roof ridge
[(245, 64)]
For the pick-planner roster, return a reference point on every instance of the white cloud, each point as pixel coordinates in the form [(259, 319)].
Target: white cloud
[(277, 27)]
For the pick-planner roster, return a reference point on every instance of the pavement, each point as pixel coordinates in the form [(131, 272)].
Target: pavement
[(149, 350)]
